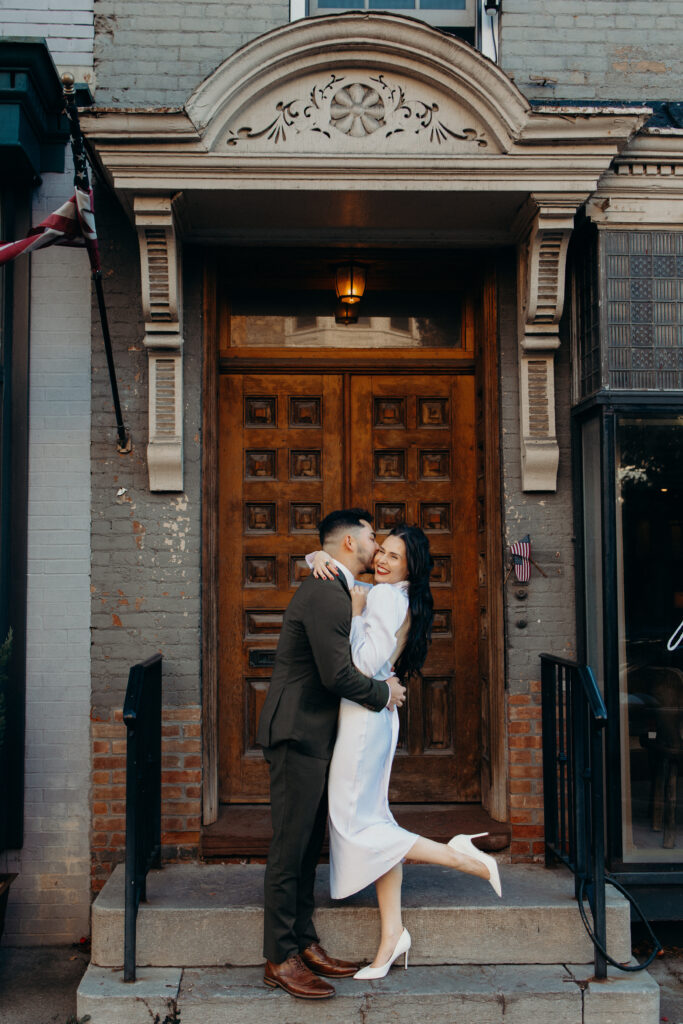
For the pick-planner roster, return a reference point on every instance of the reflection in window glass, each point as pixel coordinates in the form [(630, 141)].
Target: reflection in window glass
[(305, 323), (442, 5), (401, 323), (3, 235), (324, 332), (592, 544), (448, 14), (392, 5), (650, 593)]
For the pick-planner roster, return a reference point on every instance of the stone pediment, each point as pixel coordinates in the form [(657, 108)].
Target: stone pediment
[(356, 85), (355, 111)]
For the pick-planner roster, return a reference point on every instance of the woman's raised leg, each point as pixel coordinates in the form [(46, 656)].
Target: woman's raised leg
[(388, 889), (429, 852)]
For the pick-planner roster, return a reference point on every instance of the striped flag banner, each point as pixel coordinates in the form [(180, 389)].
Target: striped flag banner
[(521, 559), (72, 224)]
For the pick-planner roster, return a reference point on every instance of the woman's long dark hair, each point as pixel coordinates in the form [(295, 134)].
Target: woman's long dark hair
[(420, 565)]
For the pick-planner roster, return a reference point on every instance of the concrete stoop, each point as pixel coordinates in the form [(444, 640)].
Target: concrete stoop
[(466, 994), (524, 959), (209, 915)]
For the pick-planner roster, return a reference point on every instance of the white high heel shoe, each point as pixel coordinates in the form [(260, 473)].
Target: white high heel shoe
[(402, 946), (463, 844)]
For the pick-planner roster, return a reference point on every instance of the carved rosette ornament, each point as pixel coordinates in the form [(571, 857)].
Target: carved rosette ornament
[(544, 228), (357, 109)]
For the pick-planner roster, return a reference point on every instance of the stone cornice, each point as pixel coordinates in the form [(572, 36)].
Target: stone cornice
[(152, 154), (644, 183)]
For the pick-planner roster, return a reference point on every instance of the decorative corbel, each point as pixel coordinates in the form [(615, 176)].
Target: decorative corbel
[(543, 228), (156, 220)]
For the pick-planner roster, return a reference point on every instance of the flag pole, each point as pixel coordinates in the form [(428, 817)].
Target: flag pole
[(82, 182)]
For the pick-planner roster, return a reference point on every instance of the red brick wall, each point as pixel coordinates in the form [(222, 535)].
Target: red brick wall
[(526, 775), (181, 784), (180, 789)]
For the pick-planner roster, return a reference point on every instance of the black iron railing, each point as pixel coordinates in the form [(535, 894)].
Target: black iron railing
[(574, 719), (142, 715)]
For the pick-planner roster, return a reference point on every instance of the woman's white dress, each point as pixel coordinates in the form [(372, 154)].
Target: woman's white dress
[(365, 840)]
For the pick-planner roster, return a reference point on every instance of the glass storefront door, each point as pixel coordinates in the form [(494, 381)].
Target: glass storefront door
[(649, 577)]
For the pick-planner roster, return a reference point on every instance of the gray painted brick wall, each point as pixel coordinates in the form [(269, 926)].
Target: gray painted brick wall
[(66, 25), (153, 53), (50, 900), (548, 607), (594, 49), (149, 53), (145, 546)]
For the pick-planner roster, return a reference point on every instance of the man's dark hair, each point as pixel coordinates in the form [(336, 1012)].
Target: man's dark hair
[(342, 519)]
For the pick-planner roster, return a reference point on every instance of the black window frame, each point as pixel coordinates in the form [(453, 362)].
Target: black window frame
[(606, 407)]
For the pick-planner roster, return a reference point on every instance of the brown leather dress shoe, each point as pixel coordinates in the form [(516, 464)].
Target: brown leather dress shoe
[(294, 977), (315, 957)]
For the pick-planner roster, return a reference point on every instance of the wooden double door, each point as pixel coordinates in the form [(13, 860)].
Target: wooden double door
[(292, 448)]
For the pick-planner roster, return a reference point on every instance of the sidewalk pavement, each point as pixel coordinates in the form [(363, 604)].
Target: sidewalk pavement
[(38, 983), (667, 968)]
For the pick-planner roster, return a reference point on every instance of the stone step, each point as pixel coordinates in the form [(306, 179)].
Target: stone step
[(534, 994), (210, 915)]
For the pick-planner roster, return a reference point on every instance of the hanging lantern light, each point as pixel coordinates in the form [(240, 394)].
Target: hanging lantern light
[(346, 313), (350, 280)]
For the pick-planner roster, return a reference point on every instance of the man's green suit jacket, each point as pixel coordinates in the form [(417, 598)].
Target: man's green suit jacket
[(313, 670)]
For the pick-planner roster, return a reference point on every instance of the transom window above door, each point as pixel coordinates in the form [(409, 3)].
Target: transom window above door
[(444, 14), (410, 300)]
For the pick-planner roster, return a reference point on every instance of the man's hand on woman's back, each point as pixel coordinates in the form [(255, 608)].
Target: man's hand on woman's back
[(397, 693)]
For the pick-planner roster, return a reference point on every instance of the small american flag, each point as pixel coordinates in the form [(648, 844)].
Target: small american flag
[(521, 559), (72, 224)]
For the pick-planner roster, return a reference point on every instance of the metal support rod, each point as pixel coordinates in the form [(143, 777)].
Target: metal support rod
[(124, 445), (81, 181)]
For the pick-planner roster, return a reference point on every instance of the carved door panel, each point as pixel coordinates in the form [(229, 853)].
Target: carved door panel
[(291, 450), (413, 460), (280, 467)]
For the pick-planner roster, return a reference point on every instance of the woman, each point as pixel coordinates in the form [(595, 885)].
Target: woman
[(390, 631)]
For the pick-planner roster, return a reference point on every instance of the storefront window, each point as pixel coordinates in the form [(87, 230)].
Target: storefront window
[(649, 535), (3, 237)]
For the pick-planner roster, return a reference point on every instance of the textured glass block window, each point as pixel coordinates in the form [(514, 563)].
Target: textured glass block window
[(643, 310)]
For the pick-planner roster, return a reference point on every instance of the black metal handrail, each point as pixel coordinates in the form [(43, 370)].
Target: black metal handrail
[(142, 715), (574, 718)]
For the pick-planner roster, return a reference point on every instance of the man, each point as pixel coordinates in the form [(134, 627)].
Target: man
[(297, 729)]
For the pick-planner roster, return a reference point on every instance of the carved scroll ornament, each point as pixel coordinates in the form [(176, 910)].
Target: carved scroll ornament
[(546, 227), (357, 108), (155, 220)]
